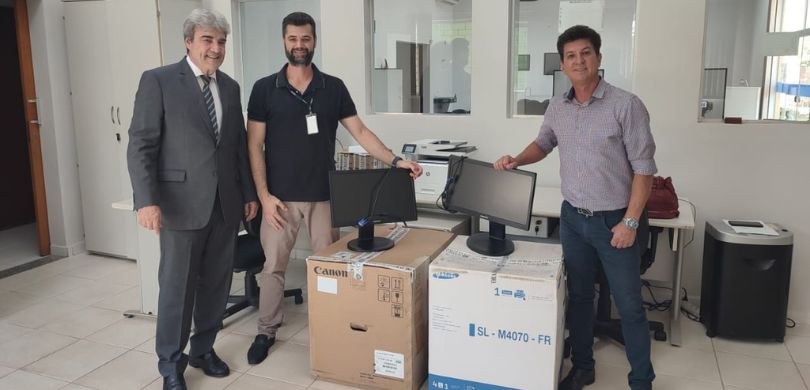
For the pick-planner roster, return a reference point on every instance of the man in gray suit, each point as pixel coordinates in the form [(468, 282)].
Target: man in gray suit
[(187, 159)]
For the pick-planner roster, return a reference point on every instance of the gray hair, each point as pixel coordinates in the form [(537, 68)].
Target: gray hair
[(204, 18)]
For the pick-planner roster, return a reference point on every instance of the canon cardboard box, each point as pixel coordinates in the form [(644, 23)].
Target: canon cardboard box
[(496, 322), (368, 311)]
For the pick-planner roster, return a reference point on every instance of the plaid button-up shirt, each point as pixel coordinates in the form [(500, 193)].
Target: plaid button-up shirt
[(602, 143)]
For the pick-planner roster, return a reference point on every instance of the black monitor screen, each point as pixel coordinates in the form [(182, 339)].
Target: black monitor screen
[(364, 197), (502, 197)]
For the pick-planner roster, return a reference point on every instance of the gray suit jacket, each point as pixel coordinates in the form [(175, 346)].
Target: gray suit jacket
[(173, 158)]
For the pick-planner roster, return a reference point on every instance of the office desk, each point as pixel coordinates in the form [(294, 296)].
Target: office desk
[(547, 202)]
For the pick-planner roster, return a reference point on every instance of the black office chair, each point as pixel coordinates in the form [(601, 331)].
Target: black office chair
[(249, 258), (606, 326)]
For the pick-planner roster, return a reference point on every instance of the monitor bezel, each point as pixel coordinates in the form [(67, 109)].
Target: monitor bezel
[(524, 225)]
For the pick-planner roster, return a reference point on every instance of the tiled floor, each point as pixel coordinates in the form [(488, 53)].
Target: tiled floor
[(61, 328), (18, 245)]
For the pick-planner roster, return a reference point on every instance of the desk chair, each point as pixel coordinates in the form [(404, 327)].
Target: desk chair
[(604, 325), (249, 258)]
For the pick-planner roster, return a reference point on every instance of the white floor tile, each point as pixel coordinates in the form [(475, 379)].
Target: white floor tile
[(761, 349), (10, 332), (23, 279), (668, 382), (758, 373), (323, 384), (693, 335), (610, 353), (93, 291), (42, 313), (31, 347), (195, 379), (250, 382), (685, 362), (801, 329), (129, 299), (84, 322), (54, 286), (302, 337), (126, 333), (288, 363), (799, 347), (804, 370), (69, 263), (14, 301), (132, 370), (104, 269), (74, 386), (232, 348), (5, 371), (18, 380), (75, 360)]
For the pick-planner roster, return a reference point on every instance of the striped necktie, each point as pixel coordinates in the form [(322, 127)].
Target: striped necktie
[(209, 105)]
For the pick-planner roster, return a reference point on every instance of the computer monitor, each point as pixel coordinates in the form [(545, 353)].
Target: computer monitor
[(551, 62), (502, 197), (562, 84), (366, 197)]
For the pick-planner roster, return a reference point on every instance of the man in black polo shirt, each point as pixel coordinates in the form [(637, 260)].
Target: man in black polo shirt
[(292, 122)]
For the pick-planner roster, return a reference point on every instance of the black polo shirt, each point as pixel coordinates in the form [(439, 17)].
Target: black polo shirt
[(298, 163)]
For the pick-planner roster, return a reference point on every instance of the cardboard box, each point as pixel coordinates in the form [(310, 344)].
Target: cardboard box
[(496, 322), (368, 311)]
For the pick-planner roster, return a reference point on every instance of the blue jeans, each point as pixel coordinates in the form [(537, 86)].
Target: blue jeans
[(586, 240)]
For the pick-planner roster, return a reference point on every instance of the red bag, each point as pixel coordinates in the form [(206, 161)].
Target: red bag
[(663, 202)]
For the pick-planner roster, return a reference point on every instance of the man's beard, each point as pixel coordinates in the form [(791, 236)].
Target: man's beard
[(300, 61)]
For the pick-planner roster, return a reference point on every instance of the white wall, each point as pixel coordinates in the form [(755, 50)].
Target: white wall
[(755, 170), (56, 131)]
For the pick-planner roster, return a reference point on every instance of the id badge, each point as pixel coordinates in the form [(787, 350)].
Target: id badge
[(312, 124)]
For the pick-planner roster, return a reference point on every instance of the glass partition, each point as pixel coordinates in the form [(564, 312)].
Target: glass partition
[(421, 57), (535, 73)]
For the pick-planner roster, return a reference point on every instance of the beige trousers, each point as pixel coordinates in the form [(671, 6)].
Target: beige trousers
[(278, 244)]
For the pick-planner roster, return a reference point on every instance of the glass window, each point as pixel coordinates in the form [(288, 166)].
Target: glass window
[(262, 43), (536, 74), (421, 57), (763, 47)]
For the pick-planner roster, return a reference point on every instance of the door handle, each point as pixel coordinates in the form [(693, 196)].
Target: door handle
[(118, 114), (36, 122), (112, 118)]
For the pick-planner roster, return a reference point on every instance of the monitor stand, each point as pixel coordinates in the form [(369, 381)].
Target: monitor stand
[(493, 243), (366, 242)]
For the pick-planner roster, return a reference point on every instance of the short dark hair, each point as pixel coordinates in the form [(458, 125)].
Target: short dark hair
[(576, 33), (298, 19)]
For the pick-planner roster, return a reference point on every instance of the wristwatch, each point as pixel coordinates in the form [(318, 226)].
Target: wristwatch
[(630, 222), (395, 161)]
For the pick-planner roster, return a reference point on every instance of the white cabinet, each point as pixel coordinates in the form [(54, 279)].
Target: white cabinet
[(110, 43)]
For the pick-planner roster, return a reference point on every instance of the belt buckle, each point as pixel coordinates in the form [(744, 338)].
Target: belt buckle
[(585, 212)]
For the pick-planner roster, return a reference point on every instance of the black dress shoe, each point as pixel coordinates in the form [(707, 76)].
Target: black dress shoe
[(258, 350), (174, 382), (577, 378), (211, 364)]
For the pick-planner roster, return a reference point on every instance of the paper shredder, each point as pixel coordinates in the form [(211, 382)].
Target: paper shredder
[(745, 282)]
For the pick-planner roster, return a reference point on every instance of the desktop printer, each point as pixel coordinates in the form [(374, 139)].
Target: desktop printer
[(433, 154)]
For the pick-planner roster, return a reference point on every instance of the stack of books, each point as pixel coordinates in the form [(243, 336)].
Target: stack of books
[(348, 161)]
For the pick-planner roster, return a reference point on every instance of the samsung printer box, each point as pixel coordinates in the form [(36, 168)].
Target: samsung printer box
[(368, 311), (496, 322)]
